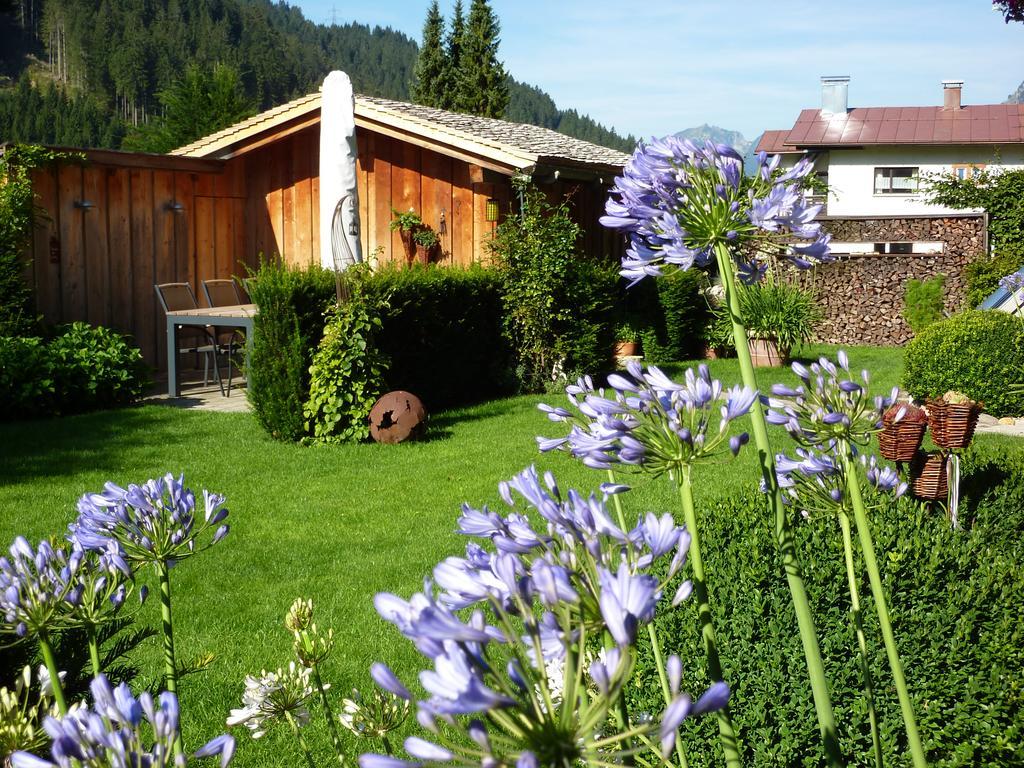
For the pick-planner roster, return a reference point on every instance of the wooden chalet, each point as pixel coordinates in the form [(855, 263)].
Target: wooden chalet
[(123, 221)]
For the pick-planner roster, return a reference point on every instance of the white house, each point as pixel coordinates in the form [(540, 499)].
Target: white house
[(874, 159)]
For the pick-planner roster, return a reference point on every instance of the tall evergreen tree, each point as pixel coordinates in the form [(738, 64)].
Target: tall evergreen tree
[(483, 82), (449, 88), (428, 86)]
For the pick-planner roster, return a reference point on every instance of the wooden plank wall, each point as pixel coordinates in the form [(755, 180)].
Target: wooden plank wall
[(99, 265)]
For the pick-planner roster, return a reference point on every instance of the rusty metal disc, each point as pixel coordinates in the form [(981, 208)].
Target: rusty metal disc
[(396, 417)]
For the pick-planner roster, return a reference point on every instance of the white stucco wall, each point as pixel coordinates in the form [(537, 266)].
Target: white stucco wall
[(851, 175)]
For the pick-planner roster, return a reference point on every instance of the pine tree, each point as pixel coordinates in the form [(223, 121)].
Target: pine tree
[(428, 86), (449, 87), (482, 82)]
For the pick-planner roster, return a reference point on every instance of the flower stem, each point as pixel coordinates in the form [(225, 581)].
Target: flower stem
[(94, 651), (783, 533), (170, 664), (51, 667), (878, 593), (300, 739), (862, 644), (328, 714), (726, 730)]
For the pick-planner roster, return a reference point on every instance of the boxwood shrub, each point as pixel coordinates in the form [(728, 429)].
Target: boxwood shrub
[(955, 604), (979, 353), (675, 316)]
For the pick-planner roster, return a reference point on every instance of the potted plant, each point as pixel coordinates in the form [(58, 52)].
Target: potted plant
[(718, 335), (627, 338), (426, 241), (778, 317), (952, 419), (903, 428), (407, 225)]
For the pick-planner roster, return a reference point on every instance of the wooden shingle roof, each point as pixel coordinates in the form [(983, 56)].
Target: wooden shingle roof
[(511, 145)]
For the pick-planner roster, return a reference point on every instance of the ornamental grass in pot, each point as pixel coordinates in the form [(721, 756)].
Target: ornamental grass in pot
[(778, 317)]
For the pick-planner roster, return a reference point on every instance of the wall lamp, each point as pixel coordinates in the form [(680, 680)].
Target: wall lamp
[(84, 205), (491, 210), (174, 206)]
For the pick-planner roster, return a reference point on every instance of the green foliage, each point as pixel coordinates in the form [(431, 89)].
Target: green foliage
[(428, 86), (923, 302), (983, 275), (292, 302), (978, 352), (347, 373), (999, 192), (201, 102), (426, 237), (405, 221), (954, 599), (482, 87), (676, 316), (556, 299), (81, 369), (442, 330), (780, 311)]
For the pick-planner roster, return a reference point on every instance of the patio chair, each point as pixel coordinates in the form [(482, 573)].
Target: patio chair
[(192, 339), (225, 293)]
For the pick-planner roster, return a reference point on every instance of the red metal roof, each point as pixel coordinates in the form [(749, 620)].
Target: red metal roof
[(979, 124)]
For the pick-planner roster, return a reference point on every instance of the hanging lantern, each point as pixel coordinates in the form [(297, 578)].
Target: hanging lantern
[(491, 211)]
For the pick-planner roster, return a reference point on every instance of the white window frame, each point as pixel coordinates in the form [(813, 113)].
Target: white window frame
[(915, 175)]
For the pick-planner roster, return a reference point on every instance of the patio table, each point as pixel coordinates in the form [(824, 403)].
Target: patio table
[(233, 316)]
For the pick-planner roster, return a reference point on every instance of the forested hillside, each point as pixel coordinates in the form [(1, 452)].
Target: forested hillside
[(84, 72)]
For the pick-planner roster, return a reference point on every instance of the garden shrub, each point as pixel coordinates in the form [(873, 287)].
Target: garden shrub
[(676, 315), (441, 329), (978, 352), (983, 275), (290, 322), (82, 368), (557, 300), (346, 376), (955, 608), (923, 302)]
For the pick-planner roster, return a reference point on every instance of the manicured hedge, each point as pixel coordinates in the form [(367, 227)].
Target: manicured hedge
[(955, 600), (675, 316), (979, 353), (82, 368), (442, 331)]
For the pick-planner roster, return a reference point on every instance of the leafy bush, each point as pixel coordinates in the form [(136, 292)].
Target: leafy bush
[(922, 302), (346, 377), (954, 602), (1000, 192), (441, 329), (983, 275), (677, 316), (292, 302), (557, 301), (772, 310), (979, 353), (81, 369)]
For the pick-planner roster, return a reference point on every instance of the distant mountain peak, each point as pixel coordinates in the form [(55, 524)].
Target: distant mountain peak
[(1017, 97), (718, 135)]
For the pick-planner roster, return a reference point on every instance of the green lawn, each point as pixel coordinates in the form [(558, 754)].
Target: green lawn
[(336, 524)]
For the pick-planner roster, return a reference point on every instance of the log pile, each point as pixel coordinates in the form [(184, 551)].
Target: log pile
[(862, 295)]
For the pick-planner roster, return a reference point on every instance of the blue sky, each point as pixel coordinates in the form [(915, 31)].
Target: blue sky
[(658, 67)]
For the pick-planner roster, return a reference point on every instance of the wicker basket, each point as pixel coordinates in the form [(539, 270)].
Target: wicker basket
[(952, 424), (899, 440), (928, 478)]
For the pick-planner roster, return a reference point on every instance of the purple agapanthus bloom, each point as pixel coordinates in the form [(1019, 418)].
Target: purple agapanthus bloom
[(1013, 283), (38, 587), (831, 404), (648, 422), (678, 200), (555, 574), (149, 523), (120, 730)]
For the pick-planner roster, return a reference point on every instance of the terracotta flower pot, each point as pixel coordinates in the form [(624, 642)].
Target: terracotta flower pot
[(766, 353), (627, 348)]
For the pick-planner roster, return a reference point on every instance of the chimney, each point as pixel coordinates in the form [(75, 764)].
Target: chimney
[(835, 94), (951, 90)]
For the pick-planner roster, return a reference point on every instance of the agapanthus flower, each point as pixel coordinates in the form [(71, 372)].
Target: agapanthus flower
[(647, 421), (547, 588), (678, 200), (1013, 283), (311, 645), (120, 730), (150, 523), (374, 715), (815, 482), (21, 714), (103, 584), (38, 587), (831, 404), (274, 696)]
